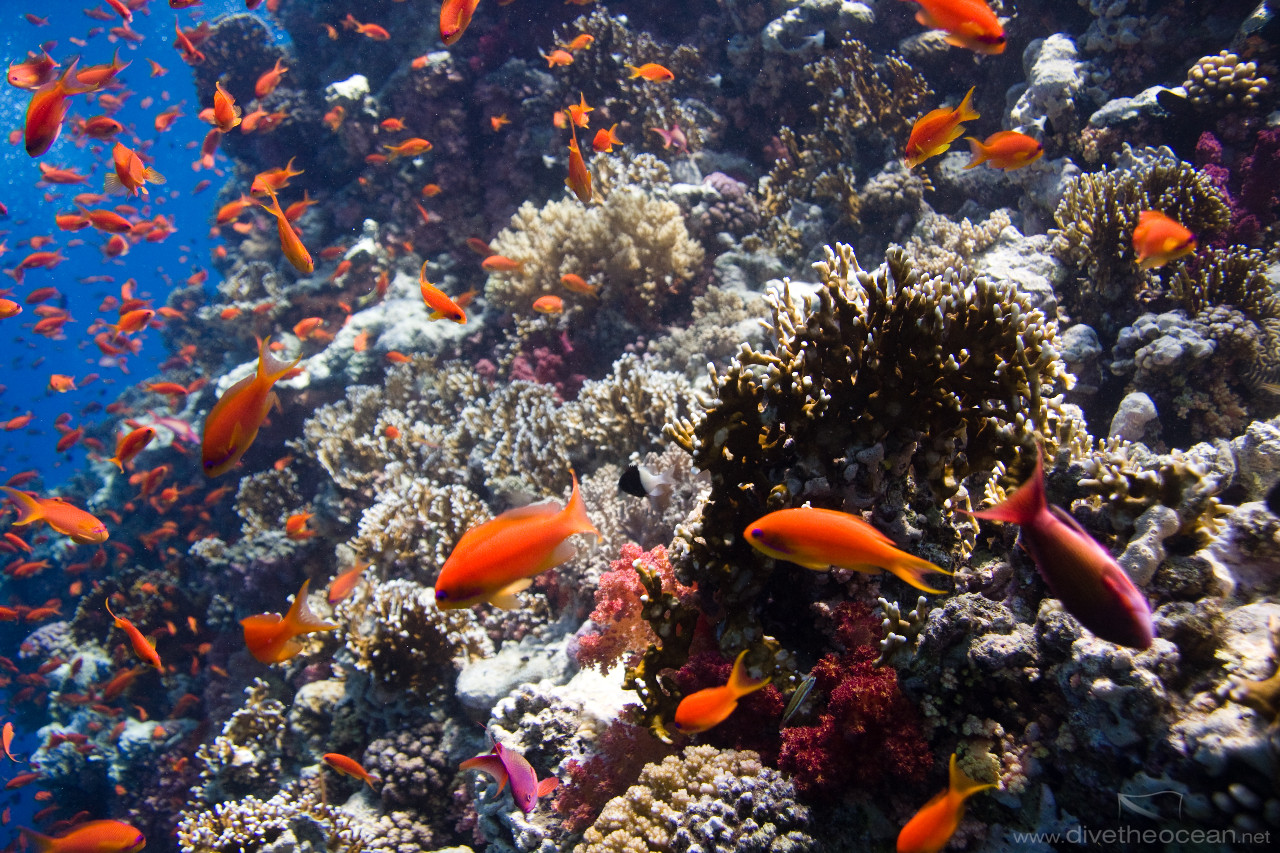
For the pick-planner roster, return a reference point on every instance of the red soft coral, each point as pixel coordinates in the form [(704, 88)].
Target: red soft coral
[(623, 751), (623, 634), (868, 732)]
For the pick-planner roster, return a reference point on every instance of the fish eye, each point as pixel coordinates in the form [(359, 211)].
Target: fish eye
[(757, 533), (441, 595)]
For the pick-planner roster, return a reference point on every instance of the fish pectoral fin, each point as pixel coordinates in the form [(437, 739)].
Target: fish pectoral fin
[(505, 598), (924, 19), (562, 553)]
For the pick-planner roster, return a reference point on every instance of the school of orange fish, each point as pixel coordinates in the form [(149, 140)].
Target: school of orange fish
[(495, 560)]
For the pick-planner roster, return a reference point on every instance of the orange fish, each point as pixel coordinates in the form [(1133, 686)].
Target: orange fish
[(455, 17), (233, 209), (372, 31), (63, 517), (131, 175), (557, 57), (9, 308), (274, 179), (48, 108), (343, 585), (61, 383), (500, 263), (580, 41), (272, 638), (579, 179), (131, 444), (226, 115), (6, 740), (35, 72), (548, 304), (968, 23), (704, 709), (442, 307), (606, 139), (934, 132), (497, 122), (495, 560), (95, 836), (295, 526), (578, 284), (931, 828), (290, 242), (411, 147), (1006, 150), (820, 538), (233, 422), (652, 72), (99, 75), (349, 767), (1159, 239), (334, 118), (578, 112), (431, 190), (141, 647), (267, 83)]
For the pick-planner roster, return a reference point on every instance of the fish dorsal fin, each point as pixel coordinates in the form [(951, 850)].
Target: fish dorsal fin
[(505, 598), (520, 515)]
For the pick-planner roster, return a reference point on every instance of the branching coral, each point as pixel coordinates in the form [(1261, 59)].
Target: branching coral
[(887, 391), (636, 243), (1096, 218), (704, 798), (250, 825), (250, 752), (861, 103)]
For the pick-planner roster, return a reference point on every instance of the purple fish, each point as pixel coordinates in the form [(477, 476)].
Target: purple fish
[(503, 764), (1079, 571)]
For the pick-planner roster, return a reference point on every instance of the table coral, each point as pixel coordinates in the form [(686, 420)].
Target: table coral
[(706, 799)]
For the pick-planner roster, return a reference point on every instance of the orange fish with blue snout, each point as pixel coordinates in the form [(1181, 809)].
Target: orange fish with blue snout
[(931, 828), (1159, 239), (707, 708), (820, 538), (934, 132), (967, 23), (272, 638), (497, 559), (95, 836), (70, 521), (233, 422)]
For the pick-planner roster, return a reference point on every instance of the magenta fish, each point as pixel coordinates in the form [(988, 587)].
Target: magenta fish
[(1079, 571), (503, 764)]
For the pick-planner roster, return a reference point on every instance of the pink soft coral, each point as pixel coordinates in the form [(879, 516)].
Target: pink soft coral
[(623, 634)]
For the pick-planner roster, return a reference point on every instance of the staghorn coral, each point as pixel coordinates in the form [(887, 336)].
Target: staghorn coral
[(703, 799), (251, 751), (887, 392), (397, 634), (1096, 218), (637, 243), (294, 818), (1223, 82), (861, 105)]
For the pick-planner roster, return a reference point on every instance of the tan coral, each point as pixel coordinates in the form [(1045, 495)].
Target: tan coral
[(1223, 82)]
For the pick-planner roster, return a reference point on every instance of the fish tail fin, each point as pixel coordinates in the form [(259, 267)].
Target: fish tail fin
[(1025, 503), (28, 507), (271, 368), (979, 153), (912, 569), (153, 176), (576, 511), (635, 72), (274, 208), (961, 785), (739, 682), (41, 843), (301, 618), (965, 111)]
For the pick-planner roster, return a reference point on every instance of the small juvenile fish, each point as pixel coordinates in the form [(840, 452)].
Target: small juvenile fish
[(931, 828), (349, 767), (797, 699), (651, 71), (705, 709), (1158, 240), (549, 304), (141, 647)]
